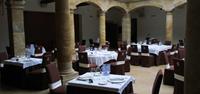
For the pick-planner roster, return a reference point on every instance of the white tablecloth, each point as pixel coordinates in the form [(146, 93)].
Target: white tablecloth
[(154, 48), (23, 62), (100, 56), (108, 86)]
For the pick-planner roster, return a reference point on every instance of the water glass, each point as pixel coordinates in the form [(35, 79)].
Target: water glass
[(105, 69)]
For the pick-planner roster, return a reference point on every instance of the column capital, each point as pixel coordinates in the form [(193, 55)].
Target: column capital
[(102, 13), (126, 14), (15, 4), (169, 13), (72, 11)]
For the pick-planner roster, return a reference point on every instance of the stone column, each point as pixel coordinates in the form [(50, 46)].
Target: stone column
[(192, 65), (169, 26), (102, 28), (15, 10), (64, 37), (126, 28)]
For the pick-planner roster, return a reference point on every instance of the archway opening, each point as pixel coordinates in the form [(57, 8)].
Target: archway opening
[(147, 21), (86, 22), (179, 23), (114, 25)]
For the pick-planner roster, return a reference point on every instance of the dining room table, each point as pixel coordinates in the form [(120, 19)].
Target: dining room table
[(153, 48), (96, 83), (14, 70), (100, 56)]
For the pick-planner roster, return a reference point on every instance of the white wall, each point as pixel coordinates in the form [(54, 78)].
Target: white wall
[(4, 35), (34, 5), (90, 22), (151, 22), (114, 16), (179, 15)]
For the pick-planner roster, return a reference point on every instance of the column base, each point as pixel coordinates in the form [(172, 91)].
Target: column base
[(68, 76)]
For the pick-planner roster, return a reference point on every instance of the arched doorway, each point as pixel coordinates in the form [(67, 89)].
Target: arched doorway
[(148, 21), (114, 25), (179, 23), (87, 22)]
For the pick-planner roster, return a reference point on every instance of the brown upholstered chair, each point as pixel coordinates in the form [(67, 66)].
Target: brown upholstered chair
[(169, 72), (3, 56), (105, 47), (84, 64), (167, 42), (118, 66), (38, 77), (128, 60), (181, 53), (38, 49), (122, 45), (172, 53), (82, 48), (9, 52), (157, 82), (135, 55), (55, 83), (181, 42), (147, 59), (154, 41), (178, 76)]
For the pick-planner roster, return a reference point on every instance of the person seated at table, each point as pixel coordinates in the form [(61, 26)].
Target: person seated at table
[(28, 50), (147, 40), (91, 44), (35, 50), (96, 43)]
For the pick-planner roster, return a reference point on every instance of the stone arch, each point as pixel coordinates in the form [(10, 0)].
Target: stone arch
[(144, 12), (117, 7), (92, 2), (145, 5), (180, 4)]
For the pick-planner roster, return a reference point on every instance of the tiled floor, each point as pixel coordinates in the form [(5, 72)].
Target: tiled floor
[(143, 85)]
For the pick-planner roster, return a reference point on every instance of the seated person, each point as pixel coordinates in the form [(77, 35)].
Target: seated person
[(36, 50)]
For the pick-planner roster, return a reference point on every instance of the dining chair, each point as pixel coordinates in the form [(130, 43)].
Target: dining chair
[(167, 42), (168, 78), (147, 59), (105, 47), (3, 56), (81, 48), (181, 43), (154, 41), (39, 75), (157, 82), (55, 83), (181, 53), (118, 67), (128, 60), (84, 64), (38, 49), (178, 76), (9, 52), (135, 55)]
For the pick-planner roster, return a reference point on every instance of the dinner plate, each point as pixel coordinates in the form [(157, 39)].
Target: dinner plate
[(116, 80), (84, 78), (102, 82)]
